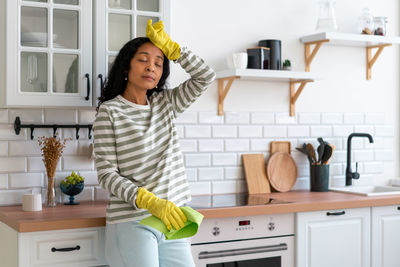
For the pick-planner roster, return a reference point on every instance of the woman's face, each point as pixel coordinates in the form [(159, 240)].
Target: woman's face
[(146, 67)]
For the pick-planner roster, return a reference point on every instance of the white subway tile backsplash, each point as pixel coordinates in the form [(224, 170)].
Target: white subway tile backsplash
[(211, 174), (188, 145), (197, 160), (262, 118), (373, 167), (309, 118), (54, 115), (224, 187), (339, 156), (187, 117), (237, 117), (4, 116), (364, 129), (275, 131), (200, 188), (342, 131), (379, 143), (12, 164), (14, 197), (7, 132), (77, 163), (353, 118), (384, 155), (384, 131), (180, 129), (3, 181), (303, 170), (332, 118), (86, 116), (298, 131), (234, 173), (210, 145), (24, 148), (191, 174), (197, 131), (26, 115), (101, 194), (302, 183), (36, 164), (260, 144), (321, 131), (337, 169), (363, 155), (250, 131), (374, 118), (284, 118), (210, 118), (237, 145), (224, 131), (3, 148), (224, 159), (24, 180), (90, 177)]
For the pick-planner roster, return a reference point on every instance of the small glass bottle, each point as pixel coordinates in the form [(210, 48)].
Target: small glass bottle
[(366, 22), (326, 19), (380, 25)]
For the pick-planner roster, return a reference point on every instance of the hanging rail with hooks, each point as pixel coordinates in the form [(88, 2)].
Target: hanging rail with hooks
[(18, 126)]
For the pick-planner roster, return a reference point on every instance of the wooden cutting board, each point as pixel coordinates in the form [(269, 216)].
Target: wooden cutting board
[(256, 176), (279, 146), (281, 171)]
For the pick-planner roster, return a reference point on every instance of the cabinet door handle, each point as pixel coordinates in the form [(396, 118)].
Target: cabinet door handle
[(88, 86), (53, 249), (100, 76), (338, 213)]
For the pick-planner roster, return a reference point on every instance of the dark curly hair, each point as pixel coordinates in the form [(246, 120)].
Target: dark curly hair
[(115, 83)]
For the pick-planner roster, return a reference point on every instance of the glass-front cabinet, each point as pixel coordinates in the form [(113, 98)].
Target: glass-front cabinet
[(118, 21), (50, 57)]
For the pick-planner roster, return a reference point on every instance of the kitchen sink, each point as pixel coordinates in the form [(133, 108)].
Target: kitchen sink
[(372, 190)]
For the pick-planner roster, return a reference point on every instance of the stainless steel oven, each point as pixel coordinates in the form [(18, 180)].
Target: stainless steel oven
[(253, 241)]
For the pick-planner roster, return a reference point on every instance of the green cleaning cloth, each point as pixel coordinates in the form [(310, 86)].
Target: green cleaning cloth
[(190, 228)]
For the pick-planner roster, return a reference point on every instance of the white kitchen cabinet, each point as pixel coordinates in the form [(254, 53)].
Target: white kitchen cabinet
[(50, 57), (75, 247), (385, 236), (333, 238)]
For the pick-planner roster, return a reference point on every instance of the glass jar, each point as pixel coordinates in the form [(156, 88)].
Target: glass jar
[(380, 25), (326, 19), (366, 22)]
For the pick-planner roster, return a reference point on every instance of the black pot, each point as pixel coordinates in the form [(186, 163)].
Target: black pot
[(275, 62)]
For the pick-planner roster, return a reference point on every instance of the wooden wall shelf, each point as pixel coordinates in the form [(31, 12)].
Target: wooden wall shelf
[(227, 77), (347, 39)]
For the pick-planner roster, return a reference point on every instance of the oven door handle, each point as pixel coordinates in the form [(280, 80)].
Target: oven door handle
[(241, 251)]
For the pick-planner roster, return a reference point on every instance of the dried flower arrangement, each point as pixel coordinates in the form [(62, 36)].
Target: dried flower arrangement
[(52, 149)]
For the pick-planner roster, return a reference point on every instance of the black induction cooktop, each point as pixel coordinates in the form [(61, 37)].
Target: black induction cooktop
[(232, 200)]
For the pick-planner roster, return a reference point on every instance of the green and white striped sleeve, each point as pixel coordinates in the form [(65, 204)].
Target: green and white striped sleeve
[(106, 159), (186, 93)]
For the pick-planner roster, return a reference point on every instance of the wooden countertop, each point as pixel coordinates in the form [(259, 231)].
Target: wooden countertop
[(92, 214)]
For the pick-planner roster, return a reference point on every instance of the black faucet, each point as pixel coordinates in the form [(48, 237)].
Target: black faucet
[(353, 175)]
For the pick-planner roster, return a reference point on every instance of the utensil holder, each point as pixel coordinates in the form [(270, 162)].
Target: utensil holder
[(319, 178)]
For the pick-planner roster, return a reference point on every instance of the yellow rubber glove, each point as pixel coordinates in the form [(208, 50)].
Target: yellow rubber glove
[(161, 39), (163, 209)]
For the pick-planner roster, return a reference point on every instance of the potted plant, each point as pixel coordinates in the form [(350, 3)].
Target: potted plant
[(287, 65), (71, 186)]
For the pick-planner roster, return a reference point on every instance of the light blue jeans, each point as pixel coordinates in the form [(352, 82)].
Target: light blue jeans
[(131, 244)]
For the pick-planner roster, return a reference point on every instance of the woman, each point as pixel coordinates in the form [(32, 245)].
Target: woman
[(138, 159)]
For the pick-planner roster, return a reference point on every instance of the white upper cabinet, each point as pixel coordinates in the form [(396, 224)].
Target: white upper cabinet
[(115, 23), (50, 57)]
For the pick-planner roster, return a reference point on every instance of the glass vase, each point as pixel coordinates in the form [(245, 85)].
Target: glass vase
[(51, 193)]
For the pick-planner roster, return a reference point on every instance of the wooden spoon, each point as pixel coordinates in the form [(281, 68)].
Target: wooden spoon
[(311, 151)]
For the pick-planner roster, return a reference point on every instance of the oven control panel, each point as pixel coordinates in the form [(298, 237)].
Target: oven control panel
[(237, 228)]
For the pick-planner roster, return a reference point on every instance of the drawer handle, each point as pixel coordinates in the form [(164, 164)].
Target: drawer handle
[(336, 213), (65, 249)]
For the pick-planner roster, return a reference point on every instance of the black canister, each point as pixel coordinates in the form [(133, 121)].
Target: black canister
[(258, 58), (319, 178), (274, 53)]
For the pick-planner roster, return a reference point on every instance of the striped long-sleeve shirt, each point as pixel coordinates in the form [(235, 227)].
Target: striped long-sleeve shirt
[(137, 145)]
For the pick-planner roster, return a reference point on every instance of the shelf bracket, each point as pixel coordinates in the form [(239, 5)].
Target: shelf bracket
[(371, 59), (223, 91), (294, 94), (308, 55)]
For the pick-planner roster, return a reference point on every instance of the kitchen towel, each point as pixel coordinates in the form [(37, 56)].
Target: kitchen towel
[(190, 228)]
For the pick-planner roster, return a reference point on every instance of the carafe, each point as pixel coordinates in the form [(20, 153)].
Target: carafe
[(326, 19)]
